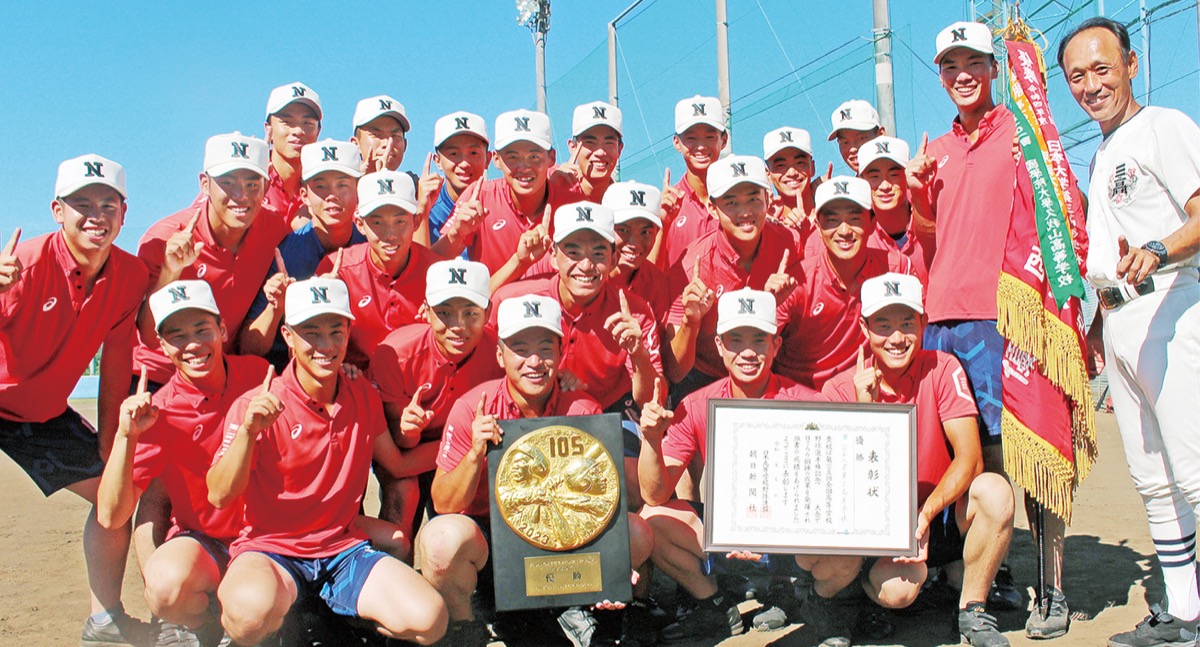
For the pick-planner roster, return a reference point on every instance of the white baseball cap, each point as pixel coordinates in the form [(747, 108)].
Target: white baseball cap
[(596, 113), (330, 155), (181, 295), (386, 187), (746, 307), (285, 95), (233, 151), (882, 147), (699, 110), (629, 200), (578, 216), (530, 311), (972, 35), (523, 125), (445, 280), (459, 122), (316, 296), (882, 291), (844, 187), (85, 170), (372, 107), (854, 114), (786, 137), (733, 170)]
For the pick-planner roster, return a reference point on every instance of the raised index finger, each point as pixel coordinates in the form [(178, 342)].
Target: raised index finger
[(143, 381), (416, 401), (266, 387), (337, 262), (479, 407), (784, 261), (575, 155), (666, 179), (924, 144), (428, 164), (12, 242), (696, 269), (279, 262), (862, 358), (624, 304), (191, 226), (478, 187)]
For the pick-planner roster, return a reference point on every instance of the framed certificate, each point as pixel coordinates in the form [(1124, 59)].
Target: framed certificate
[(811, 478)]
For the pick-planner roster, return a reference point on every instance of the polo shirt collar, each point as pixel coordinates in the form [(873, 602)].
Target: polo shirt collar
[(507, 408), (66, 260), (597, 305), (986, 125), (297, 394)]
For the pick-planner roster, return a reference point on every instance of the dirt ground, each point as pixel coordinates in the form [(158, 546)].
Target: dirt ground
[(1109, 565)]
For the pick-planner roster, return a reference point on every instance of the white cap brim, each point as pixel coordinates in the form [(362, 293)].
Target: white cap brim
[(526, 324), (746, 321), (443, 295), (374, 205), (218, 170), (708, 121), (852, 124), (867, 311), (625, 215)]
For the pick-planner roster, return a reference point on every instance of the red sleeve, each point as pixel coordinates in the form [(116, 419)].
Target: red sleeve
[(153, 249), (377, 424), (954, 399), (456, 436), (387, 375), (677, 281), (231, 423), (682, 437)]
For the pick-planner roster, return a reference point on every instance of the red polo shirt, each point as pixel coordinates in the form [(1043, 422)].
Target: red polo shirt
[(973, 201), (309, 469), (691, 223), (688, 434), (650, 283), (819, 322), (409, 358), (235, 276), (936, 383), (456, 442), (278, 200), (179, 448), (51, 326), (720, 271), (496, 239), (590, 352), (379, 302)]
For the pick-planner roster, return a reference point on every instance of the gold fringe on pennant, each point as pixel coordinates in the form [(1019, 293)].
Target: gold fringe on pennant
[(1038, 467)]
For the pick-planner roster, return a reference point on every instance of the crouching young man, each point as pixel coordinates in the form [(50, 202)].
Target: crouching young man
[(965, 515), (298, 450)]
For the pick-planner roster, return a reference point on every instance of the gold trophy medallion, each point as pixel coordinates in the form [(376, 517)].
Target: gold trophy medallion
[(557, 487)]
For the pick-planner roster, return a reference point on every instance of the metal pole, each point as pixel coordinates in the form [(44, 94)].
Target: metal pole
[(723, 69), (539, 41), (1144, 59), (1100, 7), (612, 62), (885, 97)]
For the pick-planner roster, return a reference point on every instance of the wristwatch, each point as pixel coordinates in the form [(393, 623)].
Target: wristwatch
[(1158, 249)]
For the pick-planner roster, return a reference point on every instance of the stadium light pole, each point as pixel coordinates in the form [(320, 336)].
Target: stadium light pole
[(535, 14), (723, 72), (885, 97)]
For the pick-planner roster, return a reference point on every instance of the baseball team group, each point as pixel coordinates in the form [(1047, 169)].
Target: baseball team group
[(315, 316)]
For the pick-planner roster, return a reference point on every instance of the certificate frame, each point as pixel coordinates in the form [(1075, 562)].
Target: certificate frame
[(741, 476)]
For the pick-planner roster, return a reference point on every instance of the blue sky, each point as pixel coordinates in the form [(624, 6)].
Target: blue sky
[(145, 83)]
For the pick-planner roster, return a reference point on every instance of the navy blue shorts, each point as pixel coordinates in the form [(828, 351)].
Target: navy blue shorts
[(945, 539), (216, 549), (769, 566), (338, 579), (980, 349), (59, 452)]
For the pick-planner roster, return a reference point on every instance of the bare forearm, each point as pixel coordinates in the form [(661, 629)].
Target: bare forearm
[(116, 370), (228, 478), (257, 336), (116, 498), (453, 491), (653, 476), (644, 375), (683, 353)]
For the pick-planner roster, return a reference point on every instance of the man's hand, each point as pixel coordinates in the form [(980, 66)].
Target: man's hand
[(536, 242), (138, 413), (377, 157), (484, 429), (866, 379), (337, 265), (569, 174), (276, 287), (623, 327), (655, 417), (1095, 346), (1135, 264), (428, 186), (921, 170), (744, 555), (181, 249), (415, 418), (263, 410), (922, 535), (781, 283), (469, 215), (568, 381), (672, 200), (697, 299), (10, 266)]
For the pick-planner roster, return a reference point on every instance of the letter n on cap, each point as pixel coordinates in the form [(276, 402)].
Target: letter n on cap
[(319, 294), (739, 169), (93, 169), (458, 275), (240, 149), (882, 147), (599, 112), (532, 309), (178, 293), (745, 306), (698, 109), (841, 188), (957, 35), (785, 136), (891, 288), (297, 91), (522, 124), (385, 186), (329, 153), (583, 214), (637, 198), (845, 114), (384, 104), (460, 123)]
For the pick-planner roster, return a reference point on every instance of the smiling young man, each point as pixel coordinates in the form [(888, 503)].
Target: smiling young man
[(788, 153), (173, 436), (386, 274), (854, 123), (1143, 254), (747, 340), (73, 292), (455, 545), (226, 238), (422, 369), (636, 223), (883, 162), (460, 144), (380, 133), (330, 193), (298, 450), (700, 136), (965, 515), (596, 146), (293, 121)]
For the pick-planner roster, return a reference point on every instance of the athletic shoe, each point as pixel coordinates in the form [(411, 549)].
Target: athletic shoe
[(875, 624), (1056, 621), (466, 633), (717, 616), (1004, 594), (120, 630), (579, 625), (780, 605), (831, 619), (1159, 629), (978, 628), (173, 635)]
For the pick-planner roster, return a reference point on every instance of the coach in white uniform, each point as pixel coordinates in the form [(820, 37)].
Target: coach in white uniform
[(1144, 231)]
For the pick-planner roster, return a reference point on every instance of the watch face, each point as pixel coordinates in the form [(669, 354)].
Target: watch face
[(1158, 249)]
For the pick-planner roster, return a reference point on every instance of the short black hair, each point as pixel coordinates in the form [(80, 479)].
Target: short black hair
[(1100, 22)]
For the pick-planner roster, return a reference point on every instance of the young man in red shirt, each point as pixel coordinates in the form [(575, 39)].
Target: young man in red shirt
[(298, 452), (636, 223), (820, 332), (747, 338), (293, 121), (73, 292), (455, 545), (965, 516), (422, 369), (595, 146), (700, 136), (490, 218), (386, 274), (788, 153), (855, 123), (380, 129), (745, 251), (172, 435), (882, 163)]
